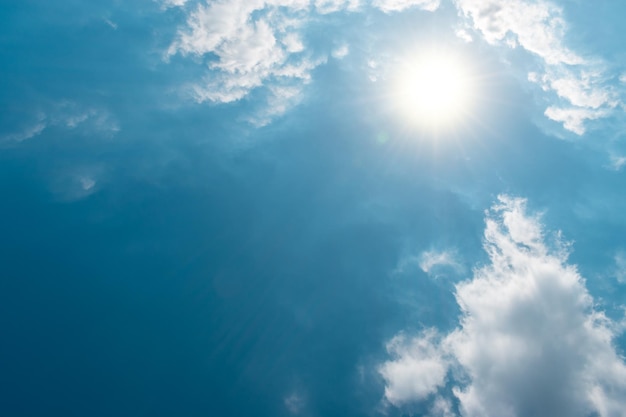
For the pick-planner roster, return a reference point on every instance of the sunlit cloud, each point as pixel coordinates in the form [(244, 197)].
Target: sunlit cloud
[(389, 6), (530, 340), (539, 27), (255, 44)]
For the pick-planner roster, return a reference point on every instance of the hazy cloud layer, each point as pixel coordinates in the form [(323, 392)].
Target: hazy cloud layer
[(530, 341)]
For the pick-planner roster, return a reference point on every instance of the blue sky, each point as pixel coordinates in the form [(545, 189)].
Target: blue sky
[(250, 207)]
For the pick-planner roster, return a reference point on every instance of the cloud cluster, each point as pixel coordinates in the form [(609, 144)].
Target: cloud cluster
[(539, 27), (530, 341), (249, 44)]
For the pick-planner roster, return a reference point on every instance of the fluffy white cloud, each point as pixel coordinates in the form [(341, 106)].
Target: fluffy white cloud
[(574, 118), (416, 370), (389, 6), (530, 341), (538, 27), (249, 44)]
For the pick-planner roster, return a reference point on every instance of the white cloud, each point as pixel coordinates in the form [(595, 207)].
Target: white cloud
[(530, 341), (389, 6), (252, 44), (295, 403), (249, 44), (331, 6), (279, 100), (431, 261), (341, 51), (574, 118), (26, 133), (539, 27), (442, 407), (416, 370), (617, 162)]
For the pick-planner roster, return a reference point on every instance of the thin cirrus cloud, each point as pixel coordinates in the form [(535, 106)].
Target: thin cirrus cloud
[(530, 340), (66, 115)]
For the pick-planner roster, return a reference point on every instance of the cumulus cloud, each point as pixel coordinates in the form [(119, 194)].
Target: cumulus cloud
[(530, 341), (249, 44), (389, 6), (416, 370), (539, 27)]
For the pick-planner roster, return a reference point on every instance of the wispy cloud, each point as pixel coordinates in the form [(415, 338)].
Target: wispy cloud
[(111, 23), (435, 263), (389, 6), (295, 403), (530, 340), (431, 261), (620, 266), (579, 84), (64, 115), (26, 133), (173, 3)]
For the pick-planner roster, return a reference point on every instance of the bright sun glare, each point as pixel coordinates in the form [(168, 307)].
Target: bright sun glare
[(434, 90)]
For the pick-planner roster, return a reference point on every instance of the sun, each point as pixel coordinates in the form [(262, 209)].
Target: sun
[(434, 89)]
